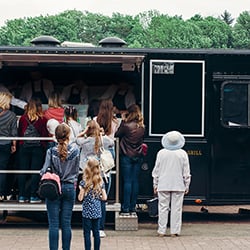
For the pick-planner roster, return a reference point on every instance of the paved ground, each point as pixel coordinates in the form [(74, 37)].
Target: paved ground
[(218, 228), (214, 234)]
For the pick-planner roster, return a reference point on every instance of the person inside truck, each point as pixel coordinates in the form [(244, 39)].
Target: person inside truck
[(122, 96), (37, 87), (75, 93)]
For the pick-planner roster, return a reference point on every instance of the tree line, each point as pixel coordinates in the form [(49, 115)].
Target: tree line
[(149, 29)]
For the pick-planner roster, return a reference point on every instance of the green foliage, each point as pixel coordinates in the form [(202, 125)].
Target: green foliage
[(227, 17), (147, 29), (215, 31), (241, 31)]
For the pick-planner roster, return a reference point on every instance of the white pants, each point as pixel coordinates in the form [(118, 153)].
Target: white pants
[(170, 201)]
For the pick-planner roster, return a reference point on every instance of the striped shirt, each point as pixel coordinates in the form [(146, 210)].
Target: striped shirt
[(8, 125)]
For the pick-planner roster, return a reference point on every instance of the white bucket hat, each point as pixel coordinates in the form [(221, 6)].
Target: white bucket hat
[(51, 125), (173, 140)]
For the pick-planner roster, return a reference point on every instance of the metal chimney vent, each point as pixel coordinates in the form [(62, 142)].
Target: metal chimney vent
[(45, 41), (112, 42)]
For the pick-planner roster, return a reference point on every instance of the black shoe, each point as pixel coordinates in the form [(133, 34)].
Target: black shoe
[(124, 213), (133, 213)]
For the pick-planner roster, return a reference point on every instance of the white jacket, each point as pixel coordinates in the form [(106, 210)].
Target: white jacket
[(171, 171)]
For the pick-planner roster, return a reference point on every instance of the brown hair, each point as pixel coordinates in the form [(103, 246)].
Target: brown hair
[(39, 107), (92, 177), (94, 131), (105, 116), (70, 111), (62, 133), (31, 110), (135, 115)]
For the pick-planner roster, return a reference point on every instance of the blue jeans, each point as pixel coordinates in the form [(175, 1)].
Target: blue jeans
[(60, 213), (130, 169), (4, 159), (30, 158), (88, 225)]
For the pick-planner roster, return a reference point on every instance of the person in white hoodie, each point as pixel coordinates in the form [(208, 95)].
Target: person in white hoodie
[(70, 118), (171, 180)]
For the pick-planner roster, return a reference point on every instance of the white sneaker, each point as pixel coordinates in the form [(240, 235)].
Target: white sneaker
[(102, 234)]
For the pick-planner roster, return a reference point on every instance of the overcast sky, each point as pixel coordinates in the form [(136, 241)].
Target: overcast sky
[(11, 9)]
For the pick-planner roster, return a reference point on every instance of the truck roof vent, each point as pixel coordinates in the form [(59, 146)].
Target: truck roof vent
[(45, 41), (112, 42)]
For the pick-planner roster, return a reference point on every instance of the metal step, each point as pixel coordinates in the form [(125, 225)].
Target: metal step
[(15, 206)]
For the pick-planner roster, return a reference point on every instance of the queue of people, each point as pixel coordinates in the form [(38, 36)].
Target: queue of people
[(73, 149)]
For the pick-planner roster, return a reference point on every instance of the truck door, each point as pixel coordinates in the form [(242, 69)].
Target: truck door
[(231, 143)]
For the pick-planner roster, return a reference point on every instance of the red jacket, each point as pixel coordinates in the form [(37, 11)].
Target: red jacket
[(56, 113), (40, 126)]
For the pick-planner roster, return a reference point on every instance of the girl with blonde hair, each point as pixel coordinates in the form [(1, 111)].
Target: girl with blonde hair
[(31, 152), (92, 192), (90, 142), (65, 160)]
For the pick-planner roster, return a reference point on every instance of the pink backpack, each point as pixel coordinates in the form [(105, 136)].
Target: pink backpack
[(50, 186)]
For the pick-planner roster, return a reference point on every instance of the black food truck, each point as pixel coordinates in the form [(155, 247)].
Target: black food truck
[(203, 93)]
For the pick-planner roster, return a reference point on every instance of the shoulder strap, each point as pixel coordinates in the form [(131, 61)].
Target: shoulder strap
[(2, 112), (72, 128), (102, 144), (51, 162), (30, 123)]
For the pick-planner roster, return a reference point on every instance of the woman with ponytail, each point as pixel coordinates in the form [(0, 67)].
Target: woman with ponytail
[(65, 160)]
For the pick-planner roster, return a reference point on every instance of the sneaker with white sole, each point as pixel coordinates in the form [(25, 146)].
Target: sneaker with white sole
[(23, 199), (35, 200), (102, 234)]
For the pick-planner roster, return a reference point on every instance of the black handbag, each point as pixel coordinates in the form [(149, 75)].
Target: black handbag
[(153, 207)]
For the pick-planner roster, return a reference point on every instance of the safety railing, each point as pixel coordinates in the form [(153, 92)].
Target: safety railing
[(13, 205)]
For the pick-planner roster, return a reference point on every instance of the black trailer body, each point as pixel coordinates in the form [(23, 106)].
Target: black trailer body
[(201, 93)]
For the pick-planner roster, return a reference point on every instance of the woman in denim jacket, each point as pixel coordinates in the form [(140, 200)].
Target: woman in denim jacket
[(65, 160)]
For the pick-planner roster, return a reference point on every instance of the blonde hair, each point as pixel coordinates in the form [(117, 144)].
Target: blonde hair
[(55, 100), (62, 133), (94, 131), (92, 177), (5, 99)]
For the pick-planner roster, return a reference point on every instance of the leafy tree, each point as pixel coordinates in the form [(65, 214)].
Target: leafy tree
[(147, 29), (241, 31), (227, 17), (215, 30)]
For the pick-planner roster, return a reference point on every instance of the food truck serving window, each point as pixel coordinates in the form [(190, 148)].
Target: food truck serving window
[(177, 97), (235, 109)]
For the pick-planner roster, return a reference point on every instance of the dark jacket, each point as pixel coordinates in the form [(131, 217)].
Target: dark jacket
[(131, 138)]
